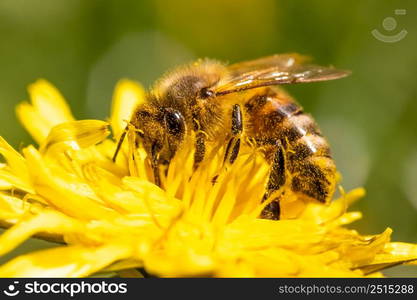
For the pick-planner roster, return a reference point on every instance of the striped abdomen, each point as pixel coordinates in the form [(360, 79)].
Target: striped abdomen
[(274, 119)]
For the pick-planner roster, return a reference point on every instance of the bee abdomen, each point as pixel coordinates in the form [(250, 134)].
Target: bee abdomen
[(311, 169), (313, 172)]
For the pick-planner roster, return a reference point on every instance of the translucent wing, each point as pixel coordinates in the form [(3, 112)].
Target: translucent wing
[(275, 70)]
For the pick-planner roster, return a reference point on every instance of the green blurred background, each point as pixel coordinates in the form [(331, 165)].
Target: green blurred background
[(370, 118)]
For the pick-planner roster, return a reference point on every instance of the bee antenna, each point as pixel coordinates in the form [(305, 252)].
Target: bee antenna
[(119, 143)]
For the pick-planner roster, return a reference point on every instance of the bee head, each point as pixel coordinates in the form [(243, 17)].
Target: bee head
[(162, 129), (186, 85)]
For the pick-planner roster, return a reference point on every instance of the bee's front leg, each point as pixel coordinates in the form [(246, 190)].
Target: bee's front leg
[(200, 149), (233, 147), (276, 181), (155, 164), (119, 143)]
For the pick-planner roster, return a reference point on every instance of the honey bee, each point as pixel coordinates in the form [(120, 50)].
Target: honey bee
[(220, 102)]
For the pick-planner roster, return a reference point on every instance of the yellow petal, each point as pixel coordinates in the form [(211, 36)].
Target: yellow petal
[(190, 263), (13, 158), (127, 96), (123, 265), (16, 172), (405, 250), (154, 197), (396, 253), (75, 135), (12, 208), (48, 221), (251, 233), (29, 117), (12, 181), (393, 254), (49, 102), (360, 251), (48, 109), (5, 184), (322, 213), (63, 191), (71, 261)]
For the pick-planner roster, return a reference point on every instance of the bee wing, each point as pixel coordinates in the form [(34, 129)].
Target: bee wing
[(275, 70), (278, 60)]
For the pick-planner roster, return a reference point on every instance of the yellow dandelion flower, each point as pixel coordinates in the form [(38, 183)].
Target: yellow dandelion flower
[(110, 217)]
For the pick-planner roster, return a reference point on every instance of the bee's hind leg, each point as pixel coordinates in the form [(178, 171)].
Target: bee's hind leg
[(276, 181), (233, 146)]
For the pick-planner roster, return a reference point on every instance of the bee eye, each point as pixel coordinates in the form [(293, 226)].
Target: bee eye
[(206, 93), (174, 122)]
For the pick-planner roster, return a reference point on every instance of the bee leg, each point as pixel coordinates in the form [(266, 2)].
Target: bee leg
[(155, 164), (119, 143), (200, 149), (233, 146), (275, 182)]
